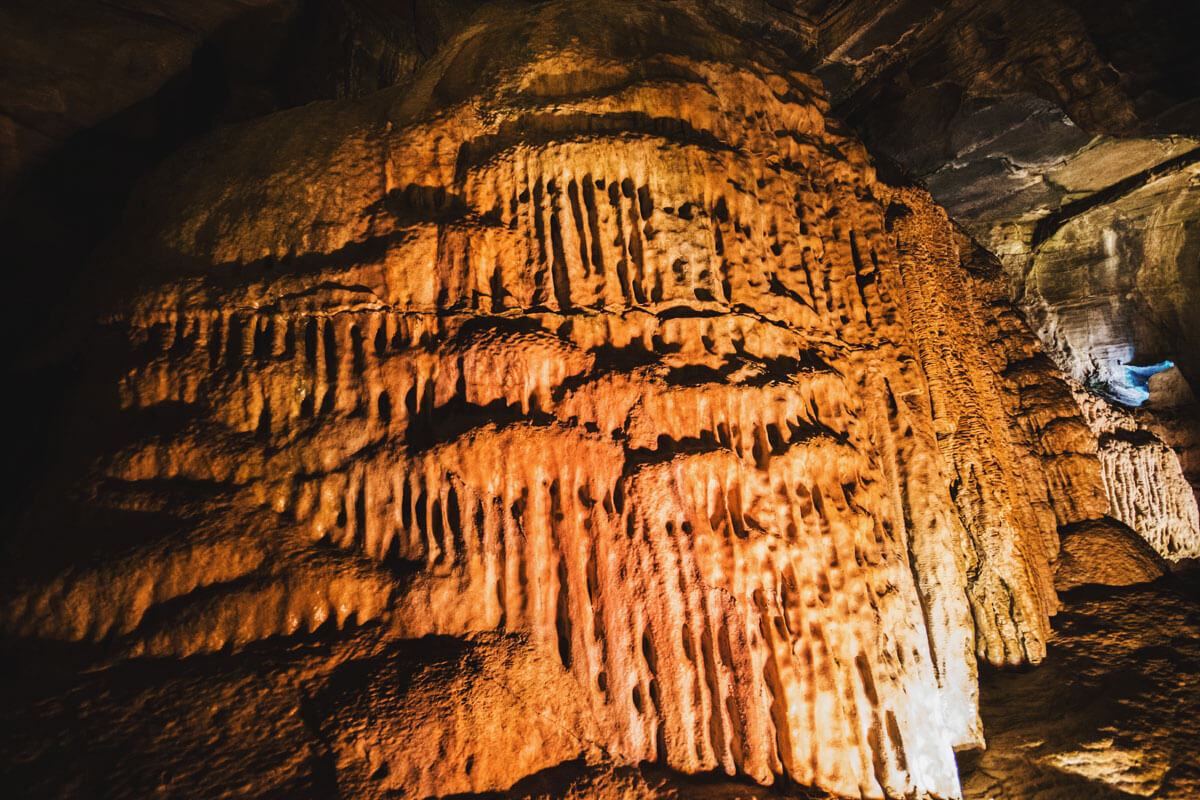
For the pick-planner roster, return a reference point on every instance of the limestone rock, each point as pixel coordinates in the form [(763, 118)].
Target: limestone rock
[(460, 717), (958, 59), (1057, 449), (996, 403), (577, 781), (1144, 479), (1113, 286), (1111, 713), (74, 723), (1059, 136), (1107, 552), (282, 719), (600, 335)]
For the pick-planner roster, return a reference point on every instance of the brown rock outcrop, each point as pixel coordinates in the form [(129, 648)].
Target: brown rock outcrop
[(1111, 714), (1143, 477), (489, 708), (1056, 451), (1062, 136), (600, 335), (1105, 552), (997, 406), (1113, 284)]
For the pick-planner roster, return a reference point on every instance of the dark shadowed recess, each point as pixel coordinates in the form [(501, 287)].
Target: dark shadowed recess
[(272, 57), (1151, 44)]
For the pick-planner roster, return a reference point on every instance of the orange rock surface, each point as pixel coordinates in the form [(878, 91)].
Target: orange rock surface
[(1105, 552), (603, 335)]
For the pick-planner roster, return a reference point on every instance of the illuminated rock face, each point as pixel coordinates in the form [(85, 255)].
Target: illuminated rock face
[(1144, 480), (601, 335), (1056, 136)]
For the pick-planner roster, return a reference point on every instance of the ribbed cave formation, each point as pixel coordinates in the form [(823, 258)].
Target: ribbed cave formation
[(588, 403)]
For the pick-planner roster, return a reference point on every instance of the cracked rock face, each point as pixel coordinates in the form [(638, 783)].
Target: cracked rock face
[(596, 363)]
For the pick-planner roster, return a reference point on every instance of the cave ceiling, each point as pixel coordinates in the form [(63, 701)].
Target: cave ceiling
[(571, 399)]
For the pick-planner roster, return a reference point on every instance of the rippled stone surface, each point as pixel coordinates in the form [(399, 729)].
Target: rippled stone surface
[(589, 400)]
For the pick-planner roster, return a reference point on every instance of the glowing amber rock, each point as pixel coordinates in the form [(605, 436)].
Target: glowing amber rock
[(601, 334)]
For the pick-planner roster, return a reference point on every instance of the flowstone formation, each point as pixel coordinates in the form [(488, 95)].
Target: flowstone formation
[(1146, 483), (597, 359), (1063, 137)]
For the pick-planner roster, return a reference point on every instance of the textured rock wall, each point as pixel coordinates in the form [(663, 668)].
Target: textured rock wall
[(1019, 457), (600, 334), (1146, 486), (1114, 285), (1063, 137)]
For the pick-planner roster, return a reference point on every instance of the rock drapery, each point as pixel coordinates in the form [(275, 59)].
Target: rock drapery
[(1063, 136), (1145, 482), (601, 338)]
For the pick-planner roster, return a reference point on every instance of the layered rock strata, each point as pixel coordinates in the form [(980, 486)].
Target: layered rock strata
[(600, 334)]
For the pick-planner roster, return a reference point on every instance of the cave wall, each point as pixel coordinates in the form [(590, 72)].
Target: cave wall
[(569, 396), (1063, 138)]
